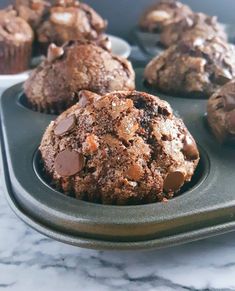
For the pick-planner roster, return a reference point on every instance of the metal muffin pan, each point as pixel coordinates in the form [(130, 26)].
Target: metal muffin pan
[(149, 42), (205, 208)]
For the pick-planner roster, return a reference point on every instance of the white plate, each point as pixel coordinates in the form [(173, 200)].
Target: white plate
[(10, 80), (119, 47)]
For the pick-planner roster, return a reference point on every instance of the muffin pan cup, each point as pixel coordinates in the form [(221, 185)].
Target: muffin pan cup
[(205, 208), (149, 42)]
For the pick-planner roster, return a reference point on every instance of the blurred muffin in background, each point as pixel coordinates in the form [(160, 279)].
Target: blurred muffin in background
[(32, 11), (16, 38), (221, 113), (55, 85), (196, 25), (194, 68), (163, 13), (70, 20)]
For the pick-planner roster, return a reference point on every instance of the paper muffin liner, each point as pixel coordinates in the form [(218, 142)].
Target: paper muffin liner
[(14, 58)]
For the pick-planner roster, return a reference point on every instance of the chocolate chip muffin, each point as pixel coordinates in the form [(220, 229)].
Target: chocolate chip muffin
[(163, 13), (122, 148), (69, 20), (33, 11), (221, 113), (197, 25), (192, 68), (55, 84), (16, 38)]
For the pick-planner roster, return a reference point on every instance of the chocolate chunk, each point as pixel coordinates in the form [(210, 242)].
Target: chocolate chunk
[(173, 181), (229, 101), (65, 125), (231, 122), (68, 163), (134, 172), (87, 97), (54, 52), (190, 149), (67, 3)]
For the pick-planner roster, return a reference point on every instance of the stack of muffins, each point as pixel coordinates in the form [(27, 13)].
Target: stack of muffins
[(198, 62), (32, 25)]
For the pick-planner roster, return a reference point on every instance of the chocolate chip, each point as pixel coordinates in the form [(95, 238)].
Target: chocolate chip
[(173, 181), (190, 149), (231, 121), (87, 97), (229, 101), (54, 52), (65, 125), (68, 163)]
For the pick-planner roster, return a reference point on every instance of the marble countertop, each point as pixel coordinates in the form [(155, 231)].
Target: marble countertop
[(31, 261)]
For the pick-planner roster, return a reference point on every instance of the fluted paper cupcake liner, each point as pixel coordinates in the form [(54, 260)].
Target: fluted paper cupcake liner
[(14, 58)]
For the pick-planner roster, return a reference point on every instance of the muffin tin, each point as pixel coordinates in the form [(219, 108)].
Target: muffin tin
[(205, 207), (149, 42)]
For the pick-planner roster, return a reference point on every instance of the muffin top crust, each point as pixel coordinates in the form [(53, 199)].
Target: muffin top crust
[(33, 11), (221, 113), (13, 28), (70, 20), (196, 25), (163, 13)]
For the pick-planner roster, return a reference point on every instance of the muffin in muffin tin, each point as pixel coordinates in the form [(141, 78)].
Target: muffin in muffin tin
[(221, 113), (78, 65), (123, 148), (193, 68)]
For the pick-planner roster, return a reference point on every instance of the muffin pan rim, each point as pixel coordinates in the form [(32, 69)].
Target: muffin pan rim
[(182, 238), (227, 207), (151, 51), (204, 160)]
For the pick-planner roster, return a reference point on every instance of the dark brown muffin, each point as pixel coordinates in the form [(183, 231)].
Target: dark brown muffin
[(193, 68), (55, 84), (32, 11), (70, 20), (197, 25), (163, 13), (221, 113), (16, 38), (123, 148)]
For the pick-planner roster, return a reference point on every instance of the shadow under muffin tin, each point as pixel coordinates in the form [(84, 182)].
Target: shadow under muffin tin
[(204, 207)]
